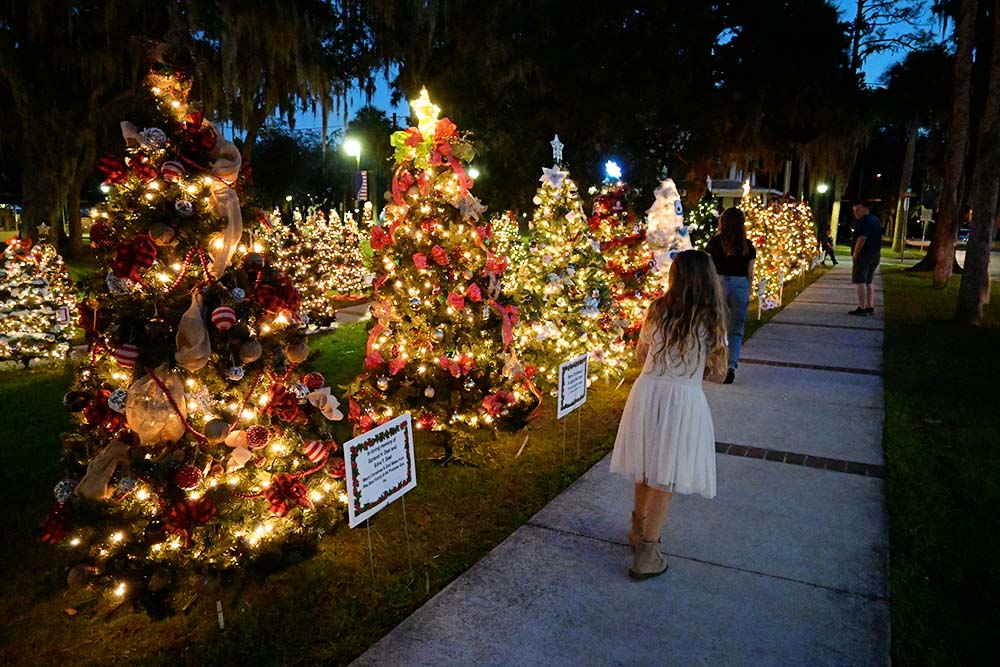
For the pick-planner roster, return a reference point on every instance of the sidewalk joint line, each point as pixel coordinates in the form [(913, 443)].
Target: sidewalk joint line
[(812, 367), (825, 326), (806, 460), (866, 596)]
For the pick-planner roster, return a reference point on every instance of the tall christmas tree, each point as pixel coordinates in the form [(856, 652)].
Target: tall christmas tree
[(199, 444), (36, 298), (306, 253), (441, 346), (783, 231), (347, 272), (621, 237), (666, 233), (563, 290)]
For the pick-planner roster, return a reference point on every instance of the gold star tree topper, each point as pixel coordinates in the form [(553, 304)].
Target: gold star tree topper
[(426, 113)]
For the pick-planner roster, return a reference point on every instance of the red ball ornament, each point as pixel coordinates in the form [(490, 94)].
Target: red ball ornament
[(187, 477), (223, 318), (314, 381), (314, 450), (257, 437), (126, 355), (172, 171)]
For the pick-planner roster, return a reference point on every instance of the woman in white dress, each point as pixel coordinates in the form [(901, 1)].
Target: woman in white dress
[(666, 441)]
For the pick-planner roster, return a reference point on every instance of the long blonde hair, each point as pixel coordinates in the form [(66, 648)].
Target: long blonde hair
[(692, 307)]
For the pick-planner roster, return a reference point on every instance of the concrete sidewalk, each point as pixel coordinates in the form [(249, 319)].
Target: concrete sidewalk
[(788, 565)]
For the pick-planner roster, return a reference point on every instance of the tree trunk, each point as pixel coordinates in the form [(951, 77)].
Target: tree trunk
[(973, 291), (84, 167), (838, 193), (254, 123), (941, 252), (899, 236), (856, 38)]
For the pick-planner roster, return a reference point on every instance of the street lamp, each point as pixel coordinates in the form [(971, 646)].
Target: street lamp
[(822, 188), (473, 173), (352, 147), (613, 170)]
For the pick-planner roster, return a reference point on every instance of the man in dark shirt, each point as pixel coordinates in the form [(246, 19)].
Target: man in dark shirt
[(866, 253)]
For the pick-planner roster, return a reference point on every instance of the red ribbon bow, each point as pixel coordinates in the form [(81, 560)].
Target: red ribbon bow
[(456, 301), (114, 168), (420, 260), (402, 181), (56, 524), (187, 514), (99, 414), (440, 256), (284, 491), (381, 237), (473, 293), (458, 367), (495, 403), (282, 403), (139, 253)]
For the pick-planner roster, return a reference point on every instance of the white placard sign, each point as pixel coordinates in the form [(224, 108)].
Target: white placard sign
[(380, 468), (572, 385)]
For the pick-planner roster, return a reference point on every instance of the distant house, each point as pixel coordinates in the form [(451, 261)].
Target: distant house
[(729, 191)]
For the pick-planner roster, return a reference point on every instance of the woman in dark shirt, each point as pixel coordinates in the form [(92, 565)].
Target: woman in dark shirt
[(734, 257)]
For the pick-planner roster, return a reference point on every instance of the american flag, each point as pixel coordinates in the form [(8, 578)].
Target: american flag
[(361, 184)]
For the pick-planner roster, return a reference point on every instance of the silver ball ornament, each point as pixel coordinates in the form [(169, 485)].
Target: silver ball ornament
[(438, 335), (301, 392), (65, 490), (469, 384), (414, 303), (238, 294), (117, 400), (184, 207), (429, 392), (153, 137), (126, 484), (235, 373), (382, 383)]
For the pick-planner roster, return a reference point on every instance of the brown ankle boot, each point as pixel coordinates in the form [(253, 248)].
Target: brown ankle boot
[(648, 561), (635, 535)]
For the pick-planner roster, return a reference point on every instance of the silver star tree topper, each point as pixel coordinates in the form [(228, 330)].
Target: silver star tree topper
[(557, 147)]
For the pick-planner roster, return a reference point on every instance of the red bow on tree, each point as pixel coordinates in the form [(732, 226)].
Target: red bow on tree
[(197, 140), (420, 260), (139, 163), (458, 367), (495, 265), (373, 360), (396, 365), (187, 514), (473, 293), (139, 253), (402, 181), (439, 255), (90, 319), (282, 403), (114, 168), (495, 403), (99, 414), (456, 301), (285, 490), (56, 524), (276, 298), (380, 238)]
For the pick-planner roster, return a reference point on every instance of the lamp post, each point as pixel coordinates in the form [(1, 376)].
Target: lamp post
[(352, 147), (473, 173)]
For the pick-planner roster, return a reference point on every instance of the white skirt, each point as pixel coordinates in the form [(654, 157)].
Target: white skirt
[(666, 437)]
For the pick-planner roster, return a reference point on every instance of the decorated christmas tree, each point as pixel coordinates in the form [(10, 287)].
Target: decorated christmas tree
[(199, 443), (441, 345), (505, 241), (562, 290), (306, 253), (621, 237), (367, 215), (36, 298), (666, 233), (703, 221), (347, 270), (784, 233)]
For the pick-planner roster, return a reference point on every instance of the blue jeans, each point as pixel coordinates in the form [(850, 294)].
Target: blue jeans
[(737, 291)]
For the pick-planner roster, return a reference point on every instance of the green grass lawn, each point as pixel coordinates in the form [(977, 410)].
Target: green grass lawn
[(943, 450), (323, 610)]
